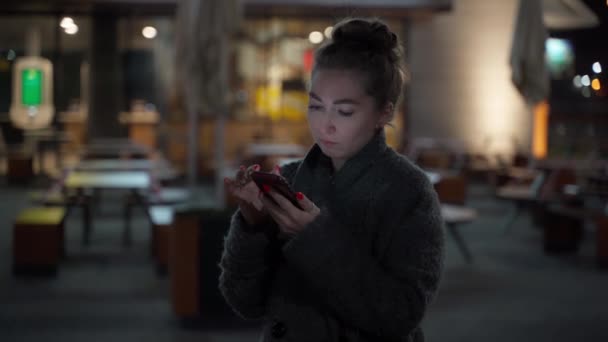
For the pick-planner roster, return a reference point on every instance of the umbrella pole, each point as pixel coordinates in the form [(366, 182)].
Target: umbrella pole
[(192, 146), (220, 125)]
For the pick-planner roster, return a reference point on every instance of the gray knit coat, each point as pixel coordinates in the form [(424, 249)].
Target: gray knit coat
[(364, 270)]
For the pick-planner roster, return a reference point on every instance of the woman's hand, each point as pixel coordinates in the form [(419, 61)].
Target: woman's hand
[(248, 194), (290, 219)]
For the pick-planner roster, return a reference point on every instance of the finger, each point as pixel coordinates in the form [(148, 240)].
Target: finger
[(251, 169), (276, 170), (236, 191), (249, 192), (269, 204), (279, 215), (305, 203), (273, 214), (240, 174), (283, 202), (257, 203)]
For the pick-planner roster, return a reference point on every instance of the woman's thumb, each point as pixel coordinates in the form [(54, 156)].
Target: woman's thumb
[(276, 170)]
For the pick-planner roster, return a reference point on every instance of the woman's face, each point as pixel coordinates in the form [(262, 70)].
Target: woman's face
[(341, 116)]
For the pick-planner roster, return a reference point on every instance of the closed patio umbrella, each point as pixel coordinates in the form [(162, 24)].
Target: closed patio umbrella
[(529, 72), (204, 29)]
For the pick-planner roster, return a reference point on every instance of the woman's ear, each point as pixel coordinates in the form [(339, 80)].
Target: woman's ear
[(387, 114)]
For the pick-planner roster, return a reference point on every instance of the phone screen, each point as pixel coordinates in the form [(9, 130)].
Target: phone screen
[(277, 183)]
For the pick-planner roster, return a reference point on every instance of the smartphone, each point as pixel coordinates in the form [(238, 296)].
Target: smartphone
[(277, 183)]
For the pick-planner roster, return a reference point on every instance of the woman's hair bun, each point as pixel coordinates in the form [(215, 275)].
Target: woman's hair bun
[(372, 34)]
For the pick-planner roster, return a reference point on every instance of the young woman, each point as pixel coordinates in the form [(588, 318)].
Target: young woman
[(362, 258)]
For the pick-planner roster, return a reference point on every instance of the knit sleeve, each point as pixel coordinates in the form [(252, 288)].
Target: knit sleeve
[(245, 269), (384, 296), (247, 263)]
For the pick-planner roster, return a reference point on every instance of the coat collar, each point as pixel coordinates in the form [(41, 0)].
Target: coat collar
[(317, 162)]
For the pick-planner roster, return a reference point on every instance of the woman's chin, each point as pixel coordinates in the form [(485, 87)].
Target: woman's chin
[(327, 151), (333, 154)]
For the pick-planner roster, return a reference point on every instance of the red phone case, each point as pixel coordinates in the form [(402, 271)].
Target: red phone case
[(276, 182)]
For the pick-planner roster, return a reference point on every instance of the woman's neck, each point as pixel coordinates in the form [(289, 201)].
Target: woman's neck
[(337, 164)]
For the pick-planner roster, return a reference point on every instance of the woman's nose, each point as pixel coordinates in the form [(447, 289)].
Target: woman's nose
[(329, 127)]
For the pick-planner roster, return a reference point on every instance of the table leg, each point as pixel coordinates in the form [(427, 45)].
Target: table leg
[(134, 199), (511, 218), (58, 157), (127, 238), (460, 242), (87, 220)]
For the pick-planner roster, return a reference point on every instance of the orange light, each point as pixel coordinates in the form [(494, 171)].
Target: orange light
[(539, 137), (595, 84)]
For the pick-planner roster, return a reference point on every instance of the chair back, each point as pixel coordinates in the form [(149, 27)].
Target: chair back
[(556, 181), (452, 190)]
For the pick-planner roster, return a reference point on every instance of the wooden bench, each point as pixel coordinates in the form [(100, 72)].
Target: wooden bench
[(20, 167), (567, 234), (38, 239), (161, 220), (601, 236)]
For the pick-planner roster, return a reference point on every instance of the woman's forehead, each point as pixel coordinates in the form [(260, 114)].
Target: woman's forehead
[(337, 83)]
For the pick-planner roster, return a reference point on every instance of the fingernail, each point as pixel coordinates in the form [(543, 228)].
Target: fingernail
[(299, 196), (256, 167), (266, 188)]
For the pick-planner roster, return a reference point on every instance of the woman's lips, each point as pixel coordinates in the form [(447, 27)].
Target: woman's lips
[(328, 143)]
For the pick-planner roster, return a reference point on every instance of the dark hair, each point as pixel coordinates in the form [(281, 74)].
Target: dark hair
[(367, 46)]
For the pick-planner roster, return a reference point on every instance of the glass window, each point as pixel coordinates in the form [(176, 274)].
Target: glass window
[(146, 45), (273, 60)]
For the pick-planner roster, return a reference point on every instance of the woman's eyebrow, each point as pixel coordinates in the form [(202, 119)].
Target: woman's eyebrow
[(315, 96), (340, 101), (346, 101)]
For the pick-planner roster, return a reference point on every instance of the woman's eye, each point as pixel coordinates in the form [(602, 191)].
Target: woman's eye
[(345, 113), (314, 107)]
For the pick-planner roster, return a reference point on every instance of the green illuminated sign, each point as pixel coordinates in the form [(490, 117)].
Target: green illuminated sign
[(31, 87)]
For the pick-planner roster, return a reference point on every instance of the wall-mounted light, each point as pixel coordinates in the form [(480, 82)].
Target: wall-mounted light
[(72, 30), (66, 22), (149, 32), (68, 25), (315, 37)]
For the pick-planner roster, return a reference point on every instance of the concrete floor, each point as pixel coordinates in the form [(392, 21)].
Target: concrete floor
[(513, 291)]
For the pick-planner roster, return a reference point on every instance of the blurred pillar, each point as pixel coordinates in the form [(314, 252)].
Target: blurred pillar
[(106, 98)]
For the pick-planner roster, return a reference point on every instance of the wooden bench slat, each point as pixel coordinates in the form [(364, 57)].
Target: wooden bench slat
[(41, 216)]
